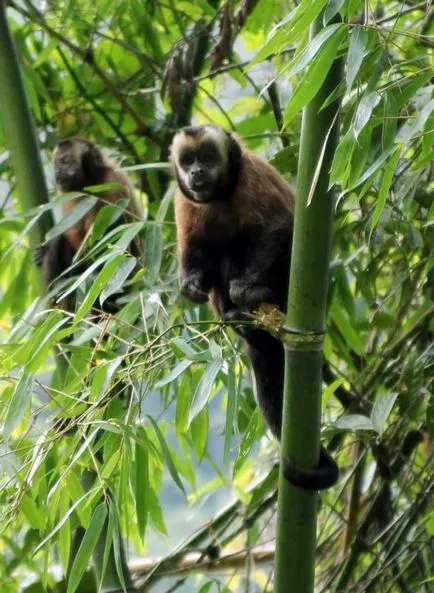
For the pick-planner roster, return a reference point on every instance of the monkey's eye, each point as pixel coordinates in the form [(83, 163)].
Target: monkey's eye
[(187, 159), (207, 157)]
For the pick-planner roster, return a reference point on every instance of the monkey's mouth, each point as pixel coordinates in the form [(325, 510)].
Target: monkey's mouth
[(201, 185)]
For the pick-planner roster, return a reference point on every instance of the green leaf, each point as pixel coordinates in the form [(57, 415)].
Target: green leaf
[(332, 9), (64, 519), (347, 330), (303, 59), (367, 104), (101, 377), (183, 350), (383, 191), (374, 167), (174, 373), (315, 74), (87, 547), (116, 282), (230, 411), (103, 277), (141, 484), (34, 515), (408, 131), (18, 403), (83, 206), (108, 543), (203, 390), (247, 442), (199, 433), (354, 422), (381, 410), (167, 456), (153, 248), (330, 389), (297, 22), (359, 37)]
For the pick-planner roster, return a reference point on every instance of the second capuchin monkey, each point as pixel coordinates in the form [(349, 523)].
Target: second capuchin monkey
[(234, 217), (78, 164)]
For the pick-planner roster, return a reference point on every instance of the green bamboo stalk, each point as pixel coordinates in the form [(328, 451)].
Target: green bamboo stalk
[(297, 508), (20, 136)]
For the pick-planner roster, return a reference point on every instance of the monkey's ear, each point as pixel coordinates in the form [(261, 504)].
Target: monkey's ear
[(235, 151)]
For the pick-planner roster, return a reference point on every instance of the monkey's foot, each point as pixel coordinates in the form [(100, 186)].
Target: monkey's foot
[(39, 254)]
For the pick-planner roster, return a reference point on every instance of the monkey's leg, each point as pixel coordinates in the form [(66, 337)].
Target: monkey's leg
[(55, 257)]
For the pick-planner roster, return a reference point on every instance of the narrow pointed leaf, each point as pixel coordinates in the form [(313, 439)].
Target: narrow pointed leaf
[(18, 403), (83, 206), (312, 80), (87, 547), (203, 391), (381, 410)]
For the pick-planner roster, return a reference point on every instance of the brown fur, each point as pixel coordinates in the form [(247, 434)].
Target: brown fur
[(76, 234), (79, 164)]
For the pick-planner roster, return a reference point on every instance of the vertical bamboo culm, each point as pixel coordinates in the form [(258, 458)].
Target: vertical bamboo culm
[(297, 508)]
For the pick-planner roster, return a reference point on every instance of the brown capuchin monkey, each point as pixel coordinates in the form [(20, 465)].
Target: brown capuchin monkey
[(234, 218), (79, 164)]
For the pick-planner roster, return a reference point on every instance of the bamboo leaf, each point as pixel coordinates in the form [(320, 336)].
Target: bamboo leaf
[(167, 456), (153, 248), (18, 404), (383, 191), (247, 442), (199, 433), (174, 373), (231, 407), (297, 22), (408, 131), (381, 410), (33, 514), (348, 331), (315, 74), (332, 9), (87, 547), (364, 111), (354, 422), (141, 484), (63, 519), (358, 41), (116, 282), (203, 390), (84, 205), (109, 270), (313, 47)]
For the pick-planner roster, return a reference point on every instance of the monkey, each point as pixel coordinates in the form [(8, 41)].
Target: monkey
[(234, 220), (79, 164)]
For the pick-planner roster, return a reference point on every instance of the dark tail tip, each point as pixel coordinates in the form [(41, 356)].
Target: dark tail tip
[(323, 476)]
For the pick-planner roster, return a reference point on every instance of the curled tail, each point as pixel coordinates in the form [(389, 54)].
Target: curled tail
[(268, 361)]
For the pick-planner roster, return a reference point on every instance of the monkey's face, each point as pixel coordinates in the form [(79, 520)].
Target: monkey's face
[(200, 159), (77, 163)]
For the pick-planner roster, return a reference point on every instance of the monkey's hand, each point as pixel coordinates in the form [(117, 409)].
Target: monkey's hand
[(193, 288), (39, 254), (245, 293)]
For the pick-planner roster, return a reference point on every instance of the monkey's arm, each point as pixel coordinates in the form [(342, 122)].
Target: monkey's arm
[(55, 257), (197, 272)]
